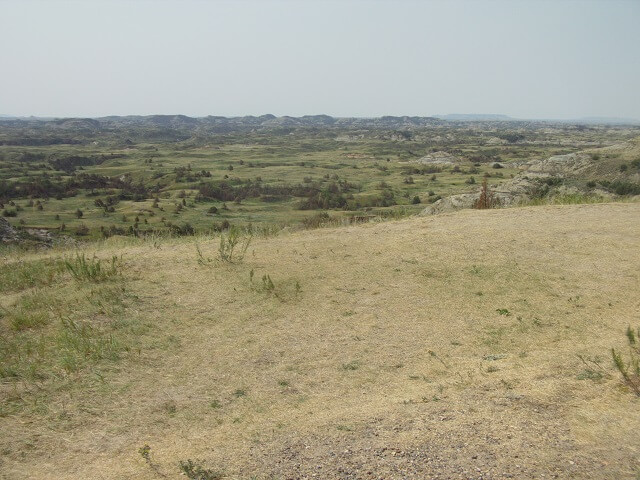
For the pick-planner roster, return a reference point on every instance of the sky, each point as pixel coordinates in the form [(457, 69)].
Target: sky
[(357, 58)]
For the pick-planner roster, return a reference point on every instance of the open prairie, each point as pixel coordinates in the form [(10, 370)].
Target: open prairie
[(475, 344)]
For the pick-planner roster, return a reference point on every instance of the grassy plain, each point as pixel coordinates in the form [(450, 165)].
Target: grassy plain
[(466, 345)]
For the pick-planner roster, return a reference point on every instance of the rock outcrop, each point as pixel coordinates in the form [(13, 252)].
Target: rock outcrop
[(569, 164), (7, 233), (440, 158), (31, 236), (507, 194)]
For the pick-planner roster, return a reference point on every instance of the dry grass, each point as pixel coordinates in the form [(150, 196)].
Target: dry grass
[(444, 346)]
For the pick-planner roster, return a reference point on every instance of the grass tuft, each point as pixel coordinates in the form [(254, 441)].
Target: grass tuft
[(92, 269), (195, 471)]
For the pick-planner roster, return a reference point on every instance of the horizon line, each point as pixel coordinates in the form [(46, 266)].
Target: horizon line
[(440, 116)]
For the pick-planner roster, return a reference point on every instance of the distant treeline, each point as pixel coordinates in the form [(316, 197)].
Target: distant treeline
[(48, 187), (39, 141), (69, 164), (316, 195), (330, 193)]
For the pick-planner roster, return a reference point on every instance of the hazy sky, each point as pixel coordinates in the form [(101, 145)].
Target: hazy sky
[(534, 59)]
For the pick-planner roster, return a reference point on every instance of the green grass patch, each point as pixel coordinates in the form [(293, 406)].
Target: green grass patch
[(17, 276), (92, 269)]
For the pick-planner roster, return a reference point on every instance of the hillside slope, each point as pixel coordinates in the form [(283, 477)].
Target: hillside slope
[(594, 175), (433, 347)]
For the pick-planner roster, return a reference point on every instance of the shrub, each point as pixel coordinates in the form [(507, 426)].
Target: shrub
[(324, 199), (416, 200), (621, 188), (82, 230), (221, 227), (184, 230), (630, 371), (233, 245)]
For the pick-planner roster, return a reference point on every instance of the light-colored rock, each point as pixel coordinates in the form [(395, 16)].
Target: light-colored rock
[(496, 141), (31, 236), (451, 203), (509, 193), (439, 158), (571, 163), (7, 233)]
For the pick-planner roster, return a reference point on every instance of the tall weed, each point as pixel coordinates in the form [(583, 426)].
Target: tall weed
[(234, 245)]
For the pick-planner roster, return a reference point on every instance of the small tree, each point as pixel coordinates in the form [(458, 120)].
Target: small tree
[(487, 198), (79, 213)]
